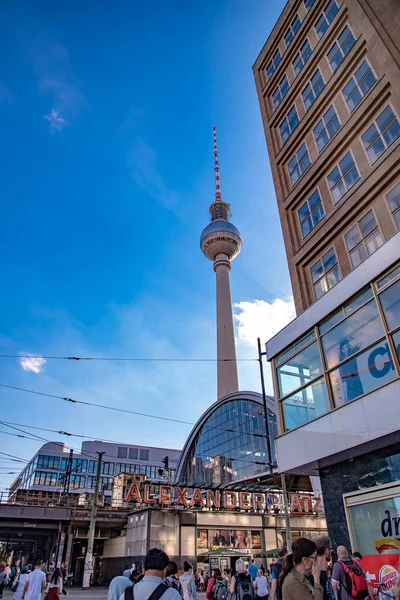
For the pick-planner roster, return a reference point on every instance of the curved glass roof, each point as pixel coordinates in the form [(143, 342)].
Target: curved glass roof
[(230, 445)]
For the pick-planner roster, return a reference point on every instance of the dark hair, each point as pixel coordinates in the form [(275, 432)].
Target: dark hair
[(301, 548), (282, 551), (187, 566), (156, 560), (357, 555), (56, 575), (38, 564), (322, 542), (172, 568), (217, 572), (227, 571)]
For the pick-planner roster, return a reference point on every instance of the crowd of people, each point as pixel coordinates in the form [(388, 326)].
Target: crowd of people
[(305, 573), (28, 582)]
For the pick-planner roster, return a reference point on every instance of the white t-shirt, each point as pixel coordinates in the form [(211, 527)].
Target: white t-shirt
[(35, 579), (262, 585)]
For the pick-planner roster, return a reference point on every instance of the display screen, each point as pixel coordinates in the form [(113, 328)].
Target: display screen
[(228, 538)]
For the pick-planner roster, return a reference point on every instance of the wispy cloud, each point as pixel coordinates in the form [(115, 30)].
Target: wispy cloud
[(35, 364), (56, 122), (57, 79), (261, 319)]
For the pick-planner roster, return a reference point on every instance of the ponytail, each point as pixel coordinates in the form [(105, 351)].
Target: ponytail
[(288, 565)]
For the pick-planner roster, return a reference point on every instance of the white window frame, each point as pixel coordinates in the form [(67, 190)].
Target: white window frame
[(363, 239), (298, 163), (302, 58), (380, 134), (288, 123), (340, 47), (310, 213), (273, 63), (353, 76), (323, 14), (326, 128), (342, 177), (325, 273), (309, 82), (290, 30), (280, 92), (396, 210)]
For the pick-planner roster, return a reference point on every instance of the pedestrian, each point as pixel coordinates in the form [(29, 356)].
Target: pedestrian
[(253, 570), (324, 550), (261, 585), (357, 557), (152, 585), (216, 587), (3, 578), (118, 586), (276, 568), (55, 585), (241, 581), (295, 585), (171, 578), (35, 583), (346, 570), (126, 572), (19, 582), (228, 576), (188, 582)]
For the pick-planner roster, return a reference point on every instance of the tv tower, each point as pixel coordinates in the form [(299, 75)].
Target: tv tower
[(221, 242)]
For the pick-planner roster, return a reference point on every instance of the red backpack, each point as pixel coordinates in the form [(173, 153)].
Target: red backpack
[(356, 584)]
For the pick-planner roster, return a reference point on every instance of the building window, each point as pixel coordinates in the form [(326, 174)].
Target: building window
[(326, 128), (393, 199), (325, 273), (308, 4), (274, 62), (343, 177), (280, 92), (302, 57), (358, 85), (77, 482), (328, 14), (363, 239), (310, 213), (341, 47), (122, 452), (313, 89), (48, 462), (133, 453), (299, 163), (144, 454), (288, 124), (43, 478), (293, 29), (381, 134)]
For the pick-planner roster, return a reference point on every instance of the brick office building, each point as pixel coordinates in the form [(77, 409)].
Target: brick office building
[(328, 86)]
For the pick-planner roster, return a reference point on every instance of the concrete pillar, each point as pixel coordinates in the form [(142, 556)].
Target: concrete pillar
[(227, 374)]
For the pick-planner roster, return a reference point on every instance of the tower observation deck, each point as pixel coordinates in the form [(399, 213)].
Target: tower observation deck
[(221, 242)]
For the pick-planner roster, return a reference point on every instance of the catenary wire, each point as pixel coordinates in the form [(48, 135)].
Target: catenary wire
[(132, 359)]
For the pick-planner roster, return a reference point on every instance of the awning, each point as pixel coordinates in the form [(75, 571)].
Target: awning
[(224, 552), (268, 554)]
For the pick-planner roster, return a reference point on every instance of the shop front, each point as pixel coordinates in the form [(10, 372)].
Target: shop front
[(373, 518)]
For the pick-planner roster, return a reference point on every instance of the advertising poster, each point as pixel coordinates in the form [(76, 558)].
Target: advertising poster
[(376, 529), (239, 539)]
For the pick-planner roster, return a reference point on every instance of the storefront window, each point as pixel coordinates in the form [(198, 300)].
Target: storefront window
[(305, 405), (396, 340), (390, 301), (363, 373), (353, 334), (300, 369)]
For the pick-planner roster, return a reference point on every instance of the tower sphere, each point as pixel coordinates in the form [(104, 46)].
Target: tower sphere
[(220, 237)]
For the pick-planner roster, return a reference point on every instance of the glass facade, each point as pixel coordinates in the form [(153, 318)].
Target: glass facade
[(230, 445), (352, 352)]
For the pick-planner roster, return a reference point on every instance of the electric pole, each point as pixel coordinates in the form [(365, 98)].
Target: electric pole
[(88, 559)]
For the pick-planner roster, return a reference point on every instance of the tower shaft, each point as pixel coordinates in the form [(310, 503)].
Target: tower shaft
[(227, 373)]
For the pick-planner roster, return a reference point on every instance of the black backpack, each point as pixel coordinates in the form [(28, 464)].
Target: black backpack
[(276, 568), (156, 594), (243, 587)]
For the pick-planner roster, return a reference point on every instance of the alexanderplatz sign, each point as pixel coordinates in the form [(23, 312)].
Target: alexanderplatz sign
[(171, 496)]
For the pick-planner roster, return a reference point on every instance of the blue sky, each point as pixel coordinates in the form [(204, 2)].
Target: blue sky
[(106, 116)]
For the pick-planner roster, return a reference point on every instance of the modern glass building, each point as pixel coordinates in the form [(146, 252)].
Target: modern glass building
[(228, 444)]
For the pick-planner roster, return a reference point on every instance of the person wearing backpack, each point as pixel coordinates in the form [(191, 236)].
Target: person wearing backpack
[(241, 586), (152, 586), (188, 582), (276, 568), (349, 577), (216, 587)]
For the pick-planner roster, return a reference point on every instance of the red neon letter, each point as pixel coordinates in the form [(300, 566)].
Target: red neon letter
[(165, 494), (134, 493), (147, 498), (213, 499), (197, 498), (181, 498)]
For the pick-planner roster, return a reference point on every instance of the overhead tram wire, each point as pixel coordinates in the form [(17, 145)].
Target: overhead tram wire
[(18, 458), (129, 359), (123, 410)]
